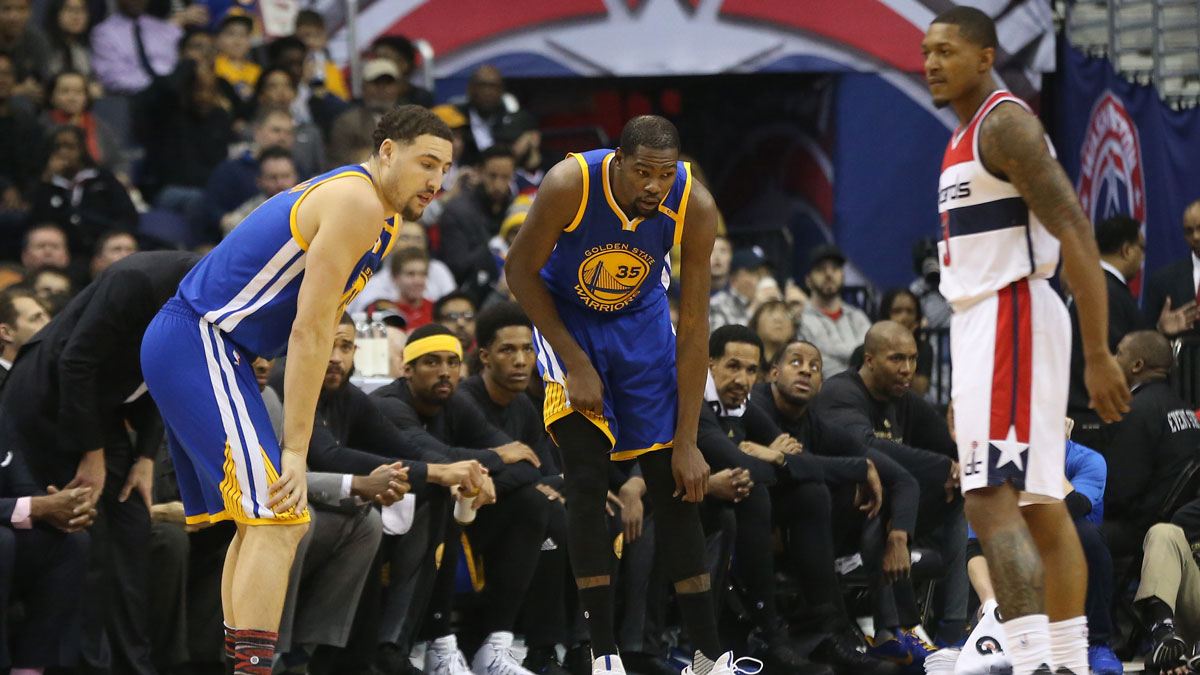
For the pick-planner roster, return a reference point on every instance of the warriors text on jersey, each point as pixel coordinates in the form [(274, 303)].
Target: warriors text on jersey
[(990, 238), (247, 286)]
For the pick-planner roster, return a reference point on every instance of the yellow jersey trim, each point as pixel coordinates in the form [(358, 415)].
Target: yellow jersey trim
[(586, 187), (626, 224), (683, 203), (296, 207), (556, 407), (224, 514), (630, 454), (475, 572)]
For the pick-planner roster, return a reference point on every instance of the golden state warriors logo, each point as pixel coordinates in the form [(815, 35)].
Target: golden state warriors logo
[(611, 275)]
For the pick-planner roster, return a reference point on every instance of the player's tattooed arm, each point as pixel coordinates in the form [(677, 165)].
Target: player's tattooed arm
[(1012, 144)]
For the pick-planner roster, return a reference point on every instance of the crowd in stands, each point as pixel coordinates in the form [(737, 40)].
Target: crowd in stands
[(834, 487)]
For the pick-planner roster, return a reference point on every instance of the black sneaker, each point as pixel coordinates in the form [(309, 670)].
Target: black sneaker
[(844, 653), (647, 664), (779, 655), (1169, 651), (544, 661), (578, 659), (390, 660)]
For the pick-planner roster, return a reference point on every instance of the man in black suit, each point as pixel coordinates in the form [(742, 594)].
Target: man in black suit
[(21, 316), (1149, 447), (68, 398), (1122, 250), (1170, 301), (43, 554)]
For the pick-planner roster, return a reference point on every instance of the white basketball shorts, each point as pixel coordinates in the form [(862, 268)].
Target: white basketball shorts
[(1011, 355)]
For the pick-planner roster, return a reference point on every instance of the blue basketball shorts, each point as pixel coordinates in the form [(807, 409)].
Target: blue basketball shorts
[(634, 354), (218, 430)]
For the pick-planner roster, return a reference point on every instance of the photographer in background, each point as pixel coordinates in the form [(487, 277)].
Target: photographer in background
[(925, 265)]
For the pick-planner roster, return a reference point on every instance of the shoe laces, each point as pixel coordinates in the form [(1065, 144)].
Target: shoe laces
[(458, 663), (504, 662), (918, 640), (752, 662)]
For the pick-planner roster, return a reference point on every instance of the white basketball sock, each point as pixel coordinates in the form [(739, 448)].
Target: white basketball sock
[(1069, 644), (1029, 643)]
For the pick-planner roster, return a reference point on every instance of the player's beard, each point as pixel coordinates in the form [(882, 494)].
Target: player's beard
[(940, 103)]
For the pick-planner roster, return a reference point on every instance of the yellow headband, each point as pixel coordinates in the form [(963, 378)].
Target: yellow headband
[(433, 343)]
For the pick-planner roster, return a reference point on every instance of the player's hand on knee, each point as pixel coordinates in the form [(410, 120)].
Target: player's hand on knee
[(690, 471), (290, 491), (1106, 387), (586, 389)]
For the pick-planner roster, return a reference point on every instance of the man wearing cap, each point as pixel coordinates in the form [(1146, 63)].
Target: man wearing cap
[(381, 91), (519, 130), (833, 326), (736, 304), (506, 536), (474, 216)]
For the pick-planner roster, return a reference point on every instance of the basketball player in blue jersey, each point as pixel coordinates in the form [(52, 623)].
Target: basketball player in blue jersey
[(1007, 209), (590, 267), (278, 283)]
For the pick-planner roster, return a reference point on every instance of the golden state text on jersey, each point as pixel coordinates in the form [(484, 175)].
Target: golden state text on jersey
[(606, 262)]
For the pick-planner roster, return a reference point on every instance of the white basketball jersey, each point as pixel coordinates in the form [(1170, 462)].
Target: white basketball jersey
[(990, 238)]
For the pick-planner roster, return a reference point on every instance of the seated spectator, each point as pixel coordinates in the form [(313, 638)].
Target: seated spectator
[(774, 325), (21, 316), (314, 102), (718, 263), (855, 474), (186, 134), (1168, 595), (200, 47), (400, 51), (519, 131), (20, 134), (43, 563), (233, 181), (1149, 447), (456, 311), (310, 28), (505, 337), (45, 245), (82, 198), (835, 327), (70, 103), (499, 245), (276, 172), (875, 404), (28, 47), (380, 93), (934, 307), (460, 178), (786, 486), (410, 268), (900, 305), (68, 24), (473, 218), (1170, 302), (275, 89), (507, 536), (111, 247), (130, 48), (484, 109), (233, 63), (438, 281), (750, 285), (52, 286)]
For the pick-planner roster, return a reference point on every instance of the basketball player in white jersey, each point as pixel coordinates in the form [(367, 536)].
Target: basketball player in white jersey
[(1006, 207)]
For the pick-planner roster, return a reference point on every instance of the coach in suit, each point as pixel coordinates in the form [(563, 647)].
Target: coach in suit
[(1122, 250), (43, 554), (1170, 301), (66, 403)]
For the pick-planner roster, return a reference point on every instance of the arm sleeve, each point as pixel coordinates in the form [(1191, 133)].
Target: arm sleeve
[(721, 453)]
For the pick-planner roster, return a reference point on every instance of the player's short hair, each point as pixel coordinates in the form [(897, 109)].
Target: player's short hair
[(447, 299), (494, 151), (404, 123), (1151, 347), (405, 256), (429, 330), (778, 358), (500, 315), (274, 152), (1113, 233), (649, 131), (734, 332), (308, 17), (973, 24)]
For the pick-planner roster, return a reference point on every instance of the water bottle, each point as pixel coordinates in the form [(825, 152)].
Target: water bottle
[(379, 349), (362, 338)]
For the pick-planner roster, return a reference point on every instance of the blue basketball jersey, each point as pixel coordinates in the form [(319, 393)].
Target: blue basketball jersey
[(607, 263), (248, 285)]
